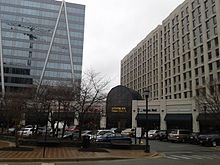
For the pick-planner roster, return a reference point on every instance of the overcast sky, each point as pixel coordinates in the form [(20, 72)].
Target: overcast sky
[(114, 27)]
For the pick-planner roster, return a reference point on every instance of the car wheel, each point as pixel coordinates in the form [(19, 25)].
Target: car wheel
[(214, 144)]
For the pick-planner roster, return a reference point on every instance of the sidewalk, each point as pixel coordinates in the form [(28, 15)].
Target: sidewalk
[(36, 154), (217, 148)]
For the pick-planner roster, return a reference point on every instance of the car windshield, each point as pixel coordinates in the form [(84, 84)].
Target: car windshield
[(103, 132), (118, 134), (86, 132), (174, 132), (24, 129), (108, 135)]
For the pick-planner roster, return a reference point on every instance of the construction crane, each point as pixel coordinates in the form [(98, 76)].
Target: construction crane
[(15, 25)]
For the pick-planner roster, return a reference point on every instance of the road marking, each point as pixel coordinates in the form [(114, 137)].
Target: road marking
[(169, 157), (181, 157), (47, 164), (214, 156), (204, 156), (193, 156), (181, 152)]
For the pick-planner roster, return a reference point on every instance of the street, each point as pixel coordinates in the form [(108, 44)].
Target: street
[(170, 154)]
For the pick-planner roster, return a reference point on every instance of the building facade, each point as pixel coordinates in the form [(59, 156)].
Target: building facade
[(179, 57), (166, 114), (41, 42)]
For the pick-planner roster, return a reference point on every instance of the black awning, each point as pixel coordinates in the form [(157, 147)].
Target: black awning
[(150, 117), (208, 117), (178, 117)]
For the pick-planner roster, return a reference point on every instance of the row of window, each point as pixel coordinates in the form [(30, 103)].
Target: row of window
[(12, 21), (46, 15), (35, 46), (38, 55), (43, 5), (40, 39), (40, 64)]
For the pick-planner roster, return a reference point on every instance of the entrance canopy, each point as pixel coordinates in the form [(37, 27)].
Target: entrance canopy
[(178, 117), (150, 117)]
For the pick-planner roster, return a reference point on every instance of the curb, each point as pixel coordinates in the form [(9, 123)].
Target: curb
[(154, 155), (60, 159), (216, 148)]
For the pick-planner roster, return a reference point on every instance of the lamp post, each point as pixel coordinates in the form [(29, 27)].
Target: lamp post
[(146, 94), (205, 114)]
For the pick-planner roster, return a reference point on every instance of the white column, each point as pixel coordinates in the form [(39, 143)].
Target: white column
[(2, 67), (163, 110), (134, 113), (51, 43), (195, 114), (68, 35)]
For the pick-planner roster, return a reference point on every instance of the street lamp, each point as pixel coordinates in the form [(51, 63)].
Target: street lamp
[(146, 94), (205, 114)]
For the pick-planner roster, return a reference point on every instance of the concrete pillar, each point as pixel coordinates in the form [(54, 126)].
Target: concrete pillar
[(134, 113), (195, 114), (163, 124)]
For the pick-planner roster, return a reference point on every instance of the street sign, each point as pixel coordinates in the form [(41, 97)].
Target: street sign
[(138, 132)]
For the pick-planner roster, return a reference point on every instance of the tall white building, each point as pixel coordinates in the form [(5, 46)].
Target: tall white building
[(178, 57)]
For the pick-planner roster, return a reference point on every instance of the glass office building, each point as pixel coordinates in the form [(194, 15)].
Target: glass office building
[(41, 41)]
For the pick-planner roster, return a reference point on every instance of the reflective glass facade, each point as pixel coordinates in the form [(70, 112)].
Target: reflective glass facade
[(27, 27)]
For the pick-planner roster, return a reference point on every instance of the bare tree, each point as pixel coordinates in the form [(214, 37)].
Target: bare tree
[(93, 90), (15, 106), (62, 95), (44, 104), (208, 100)]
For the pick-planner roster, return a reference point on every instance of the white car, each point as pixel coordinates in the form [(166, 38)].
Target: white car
[(99, 133), (153, 134), (25, 132), (86, 133), (128, 132)]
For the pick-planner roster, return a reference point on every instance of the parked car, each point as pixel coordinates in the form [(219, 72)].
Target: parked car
[(25, 132), (86, 133), (209, 139), (194, 138), (179, 135), (116, 130), (72, 135), (99, 133), (11, 131), (72, 127), (42, 130), (163, 135), (128, 132), (114, 138), (153, 134), (29, 126)]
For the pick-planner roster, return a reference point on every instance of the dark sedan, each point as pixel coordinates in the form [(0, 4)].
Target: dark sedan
[(194, 138), (163, 135), (114, 138), (210, 139), (72, 135)]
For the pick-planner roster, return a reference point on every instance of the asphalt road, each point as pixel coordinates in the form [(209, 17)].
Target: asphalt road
[(171, 154)]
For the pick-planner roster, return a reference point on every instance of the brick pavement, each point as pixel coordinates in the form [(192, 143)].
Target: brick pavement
[(68, 153)]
